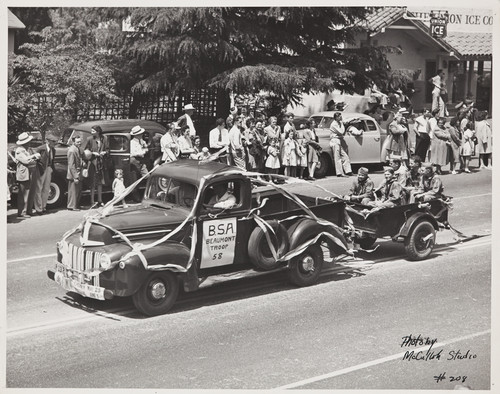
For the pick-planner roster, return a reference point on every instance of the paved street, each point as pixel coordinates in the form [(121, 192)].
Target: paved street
[(256, 331)]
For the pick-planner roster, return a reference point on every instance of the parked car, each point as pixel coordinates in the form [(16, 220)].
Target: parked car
[(365, 148), (98, 263), (118, 134)]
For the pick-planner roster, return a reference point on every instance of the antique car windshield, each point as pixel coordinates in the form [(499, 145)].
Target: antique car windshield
[(169, 192)]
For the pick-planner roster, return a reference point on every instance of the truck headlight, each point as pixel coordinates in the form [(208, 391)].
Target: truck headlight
[(105, 261)]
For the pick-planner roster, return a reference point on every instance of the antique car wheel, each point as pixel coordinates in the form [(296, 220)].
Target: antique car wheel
[(323, 166), (157, 294), (56, 193), (420, 241), (305, 269), (258, 248)]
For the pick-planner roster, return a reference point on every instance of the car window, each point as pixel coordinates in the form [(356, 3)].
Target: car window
[(118, 143), (371, 125), (360, 125), (170, 192), (325, 123), (317, 119), (210, 198)]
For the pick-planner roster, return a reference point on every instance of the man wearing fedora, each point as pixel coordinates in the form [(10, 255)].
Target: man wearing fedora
[(26, 163), (186, 120), (74, 174), (46, 167)]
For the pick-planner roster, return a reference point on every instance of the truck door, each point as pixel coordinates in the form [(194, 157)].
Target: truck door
[(119, 148), (223, 233)]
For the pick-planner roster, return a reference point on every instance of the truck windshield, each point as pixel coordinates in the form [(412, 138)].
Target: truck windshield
[(169, 192)]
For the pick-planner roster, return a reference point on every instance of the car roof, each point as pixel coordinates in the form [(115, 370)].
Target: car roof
[(191, 171), (345, 115), (109, 126)]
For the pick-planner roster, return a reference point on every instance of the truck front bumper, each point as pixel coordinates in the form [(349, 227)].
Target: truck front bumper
[(78, 286)]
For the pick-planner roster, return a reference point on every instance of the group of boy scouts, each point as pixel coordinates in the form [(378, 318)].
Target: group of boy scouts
[(401, 185)]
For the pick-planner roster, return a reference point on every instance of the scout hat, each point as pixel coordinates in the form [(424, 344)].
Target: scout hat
[(136, 130), (188, 107), (363, 171), (24, 138)]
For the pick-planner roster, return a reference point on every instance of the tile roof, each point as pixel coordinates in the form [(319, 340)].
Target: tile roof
[(382, 18), (471, 44), (14, 22)]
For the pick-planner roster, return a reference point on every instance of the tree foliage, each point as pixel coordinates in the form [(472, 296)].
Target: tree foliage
[(287, 50), (58, 75)]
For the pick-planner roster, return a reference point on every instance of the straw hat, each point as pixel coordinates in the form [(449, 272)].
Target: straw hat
[(24, 138), (136, 130)]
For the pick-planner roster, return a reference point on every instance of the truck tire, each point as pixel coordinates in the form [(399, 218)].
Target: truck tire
[(305, 269), (258, 248), (420, 241), (323, 166), (56, 193), (157, 294)]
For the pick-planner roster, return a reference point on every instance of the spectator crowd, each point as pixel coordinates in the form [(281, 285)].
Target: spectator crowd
[(266, 146)]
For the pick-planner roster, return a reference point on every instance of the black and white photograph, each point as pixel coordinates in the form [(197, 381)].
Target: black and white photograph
[(249, 197)]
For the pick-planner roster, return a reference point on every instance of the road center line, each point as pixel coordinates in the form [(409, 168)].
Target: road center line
[(32, 258), (376, 362)]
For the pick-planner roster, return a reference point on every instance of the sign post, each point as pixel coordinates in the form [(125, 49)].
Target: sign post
[(438, 24)]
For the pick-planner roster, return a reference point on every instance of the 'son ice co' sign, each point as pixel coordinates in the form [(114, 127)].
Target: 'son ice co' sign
[(438, 24)]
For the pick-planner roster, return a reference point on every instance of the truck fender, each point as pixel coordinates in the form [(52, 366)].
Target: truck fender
[(132, 277), (412, 221), (306, 229)]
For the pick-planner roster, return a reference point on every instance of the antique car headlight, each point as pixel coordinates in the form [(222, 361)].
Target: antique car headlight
[(105, 261)]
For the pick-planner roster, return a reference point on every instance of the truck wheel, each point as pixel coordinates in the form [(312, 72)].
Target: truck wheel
[(258, 248), (323, 166), (157, 294), (420, 241), (305, 269), (56, 193), (366, 242)]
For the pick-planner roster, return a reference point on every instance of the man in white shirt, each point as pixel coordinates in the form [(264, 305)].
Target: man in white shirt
[(218, 138), (186, 120), (236, 148), (422, 128)]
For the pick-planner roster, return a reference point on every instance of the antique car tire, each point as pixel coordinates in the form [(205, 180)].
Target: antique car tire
[(56, 193), (258, 249), (366, 242), (157, 294), (323, 166), (416, 246), (305, 269)]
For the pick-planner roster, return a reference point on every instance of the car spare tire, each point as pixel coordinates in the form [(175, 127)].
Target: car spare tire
[(259, 250)]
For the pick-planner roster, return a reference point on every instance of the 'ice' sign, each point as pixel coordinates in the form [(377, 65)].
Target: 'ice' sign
[(438, 27), (219, 242)]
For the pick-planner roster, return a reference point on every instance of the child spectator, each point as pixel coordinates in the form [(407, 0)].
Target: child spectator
[(467, 148), (118, 185), (273, 160), (301, 157), (290, 154)]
